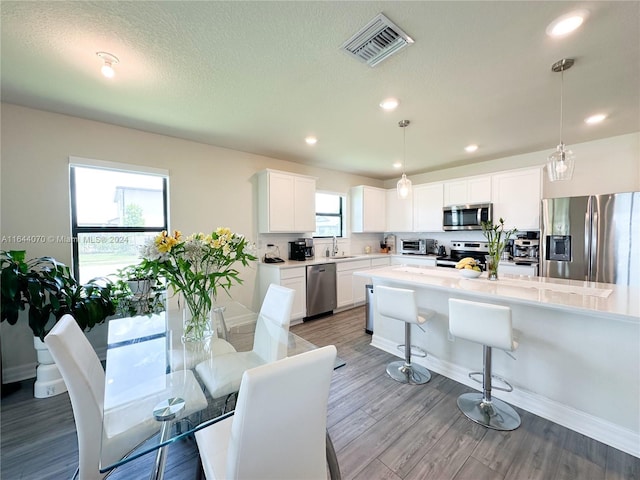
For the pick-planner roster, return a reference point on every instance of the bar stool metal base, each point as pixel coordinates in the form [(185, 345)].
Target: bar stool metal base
[(494, 414), (411, 374)]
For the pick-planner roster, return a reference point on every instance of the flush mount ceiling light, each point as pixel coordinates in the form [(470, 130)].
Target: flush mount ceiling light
[(389, 104), (404, 184), (597, 118), (109, 61), (471, 148), (560, 163), (311, 140), (567, 23)]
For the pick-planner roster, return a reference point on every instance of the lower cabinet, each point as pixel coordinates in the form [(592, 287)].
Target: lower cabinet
[(294, 278), (351, 288), (424, 261)]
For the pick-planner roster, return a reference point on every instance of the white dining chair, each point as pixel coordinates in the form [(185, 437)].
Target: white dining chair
[(85, 379), (222, 374), (278, 430)]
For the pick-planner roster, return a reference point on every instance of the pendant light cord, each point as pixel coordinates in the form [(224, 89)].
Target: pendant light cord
[(561, 100), (404, 149)]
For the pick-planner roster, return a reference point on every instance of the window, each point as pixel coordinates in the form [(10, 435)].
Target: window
[(329, 215), (113, 212)]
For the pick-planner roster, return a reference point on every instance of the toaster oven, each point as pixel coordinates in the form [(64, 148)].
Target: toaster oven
[(417, 246)]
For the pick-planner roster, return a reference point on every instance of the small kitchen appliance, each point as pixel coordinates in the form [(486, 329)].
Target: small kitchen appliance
[(417, 246), (301, 249), (462, 249), (525, 249)]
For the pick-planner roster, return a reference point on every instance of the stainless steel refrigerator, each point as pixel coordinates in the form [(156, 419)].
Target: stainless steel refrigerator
[(594, 238)]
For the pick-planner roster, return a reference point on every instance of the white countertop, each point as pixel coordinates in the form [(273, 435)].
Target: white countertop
[(318, 260), (603, 299)]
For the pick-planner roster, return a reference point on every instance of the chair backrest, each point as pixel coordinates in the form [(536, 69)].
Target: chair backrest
[(396, 303), (280, 422), (84, 376), (272, 328), (483, 323)]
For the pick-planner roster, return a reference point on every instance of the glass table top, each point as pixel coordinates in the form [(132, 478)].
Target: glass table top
[(148, 365)]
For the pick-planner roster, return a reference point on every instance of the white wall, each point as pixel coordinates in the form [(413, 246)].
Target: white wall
[(609, 165), (209, 187)]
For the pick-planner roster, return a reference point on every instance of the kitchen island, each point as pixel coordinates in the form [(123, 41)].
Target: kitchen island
[(578, 360)]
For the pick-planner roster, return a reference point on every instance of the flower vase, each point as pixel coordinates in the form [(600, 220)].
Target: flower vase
[(196, 320), (492, 265)]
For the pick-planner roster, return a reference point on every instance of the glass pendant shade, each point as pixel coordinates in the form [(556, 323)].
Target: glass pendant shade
[(560, 164), (404, 187)]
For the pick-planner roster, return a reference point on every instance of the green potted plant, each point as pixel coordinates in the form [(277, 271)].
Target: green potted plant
[(497, 239), (50, 291), (137, 290)]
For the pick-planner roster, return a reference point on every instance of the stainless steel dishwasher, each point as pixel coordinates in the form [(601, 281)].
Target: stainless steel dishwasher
[(321, 289)]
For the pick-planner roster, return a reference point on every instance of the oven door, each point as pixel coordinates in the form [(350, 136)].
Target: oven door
[(466, 217)]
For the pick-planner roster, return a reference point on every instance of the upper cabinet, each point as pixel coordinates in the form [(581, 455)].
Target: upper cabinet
[(427, 207), (286, 202), (468, 190), (368, 209), (399, 212), (516, 198)]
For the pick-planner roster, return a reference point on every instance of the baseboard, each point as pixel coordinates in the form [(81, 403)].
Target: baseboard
[(28, 370), (576, 420)]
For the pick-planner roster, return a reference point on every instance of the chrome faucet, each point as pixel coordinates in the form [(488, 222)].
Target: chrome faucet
[(334, 250)]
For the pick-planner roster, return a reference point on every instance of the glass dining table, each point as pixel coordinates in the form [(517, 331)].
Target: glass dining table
[(152, 392)]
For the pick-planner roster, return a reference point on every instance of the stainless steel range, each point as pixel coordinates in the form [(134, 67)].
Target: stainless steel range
[(460, 250)]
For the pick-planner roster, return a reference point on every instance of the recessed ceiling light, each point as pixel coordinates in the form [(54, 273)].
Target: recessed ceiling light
[(397, 164), (566, 24), (597, 118), (311, 140), (109, 61), (471, 148), (389, 104)]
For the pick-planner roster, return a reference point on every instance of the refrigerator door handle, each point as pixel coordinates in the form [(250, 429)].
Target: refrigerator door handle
[(588, 232)]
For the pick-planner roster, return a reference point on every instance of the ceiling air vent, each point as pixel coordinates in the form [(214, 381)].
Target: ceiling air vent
[(377, 40)]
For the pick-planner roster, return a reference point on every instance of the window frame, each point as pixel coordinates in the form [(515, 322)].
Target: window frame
[(341, 215), (76, 229)]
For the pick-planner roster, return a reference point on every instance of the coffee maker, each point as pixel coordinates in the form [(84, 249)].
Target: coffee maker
[(526, 249), (301, 249)]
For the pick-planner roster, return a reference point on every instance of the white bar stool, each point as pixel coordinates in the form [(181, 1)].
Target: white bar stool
[(489, 325), (400, 304)]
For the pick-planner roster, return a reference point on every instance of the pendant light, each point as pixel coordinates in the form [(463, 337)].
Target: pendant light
[(560, 163), (404, 184)]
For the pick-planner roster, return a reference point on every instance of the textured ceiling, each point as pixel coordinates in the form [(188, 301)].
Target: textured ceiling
[(260, 76)]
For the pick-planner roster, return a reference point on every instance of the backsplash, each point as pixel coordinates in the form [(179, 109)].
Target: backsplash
[(355, 245)]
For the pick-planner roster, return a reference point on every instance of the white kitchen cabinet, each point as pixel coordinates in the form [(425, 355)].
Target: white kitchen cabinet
[(427, 207), (468, 190), (293, 278), (417, 260), (400, 212), (368, 209), (286, 202), (516, 198), (348, 284)]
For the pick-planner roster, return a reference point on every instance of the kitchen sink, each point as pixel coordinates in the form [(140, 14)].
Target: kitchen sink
[(343, 257)]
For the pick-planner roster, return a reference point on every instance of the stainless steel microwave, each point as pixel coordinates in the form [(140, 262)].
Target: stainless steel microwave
[(466, 217)]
